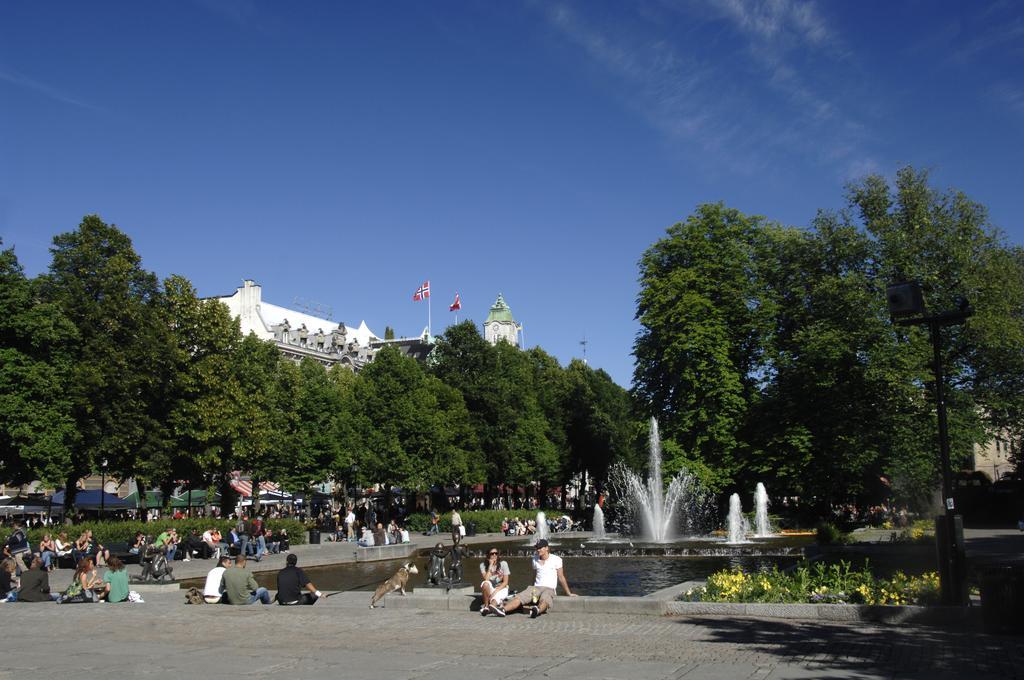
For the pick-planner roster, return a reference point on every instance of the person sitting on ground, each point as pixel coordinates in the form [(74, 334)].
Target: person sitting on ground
[(379, 537), (281, 536), (98, 551), (138, 545), (63, 545), (213, 590), (240, 585), (494, 587), (82, 547), (194, 545), (83, 583), (17, 543), (211, 543), (35, 584), (547, 574), (394, 534), (367, 541), (240, 540), (8, 581), (257, 537), (115, 581), (403, 535), (290, 582), (167, 541), (47, 551)]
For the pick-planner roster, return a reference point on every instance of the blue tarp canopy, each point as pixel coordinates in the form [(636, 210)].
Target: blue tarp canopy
[(91, 499)]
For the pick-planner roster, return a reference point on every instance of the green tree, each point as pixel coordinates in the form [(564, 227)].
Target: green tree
[(945, 241), (415, 430), (203, 392), (97, 280), (702, 311), (37, 433)]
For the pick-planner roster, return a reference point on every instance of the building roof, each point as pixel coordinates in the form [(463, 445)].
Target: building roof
[(274, 314), (500, 311)]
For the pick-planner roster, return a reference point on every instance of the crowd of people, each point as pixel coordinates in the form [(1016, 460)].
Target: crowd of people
[(25, 572)]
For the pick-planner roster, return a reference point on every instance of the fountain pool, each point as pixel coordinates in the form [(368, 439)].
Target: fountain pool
[(613, 567)]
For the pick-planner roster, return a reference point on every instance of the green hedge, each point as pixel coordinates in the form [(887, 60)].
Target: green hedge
[(487, 521), (124, 531)]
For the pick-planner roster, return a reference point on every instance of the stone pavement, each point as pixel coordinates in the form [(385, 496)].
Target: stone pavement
[(340, 637)]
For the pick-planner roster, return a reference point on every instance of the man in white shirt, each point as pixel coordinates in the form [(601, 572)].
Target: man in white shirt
[(547, 575), (213, 591), (350, 525)]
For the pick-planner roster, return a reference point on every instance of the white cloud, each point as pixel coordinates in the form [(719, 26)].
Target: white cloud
[(23, 81), (714, 103)]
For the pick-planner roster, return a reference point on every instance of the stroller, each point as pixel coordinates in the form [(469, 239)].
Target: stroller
[(155, 567)]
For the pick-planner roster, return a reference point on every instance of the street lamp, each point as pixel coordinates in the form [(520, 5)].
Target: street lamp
[(103, 486), (906, 306), (353, 470)]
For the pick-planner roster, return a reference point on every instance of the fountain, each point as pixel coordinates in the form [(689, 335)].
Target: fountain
[(655, 507), (542, 526), (762, 527), (738, 524), (599, 534)]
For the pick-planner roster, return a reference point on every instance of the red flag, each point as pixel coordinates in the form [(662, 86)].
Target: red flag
[(423, 292), (455, 305)]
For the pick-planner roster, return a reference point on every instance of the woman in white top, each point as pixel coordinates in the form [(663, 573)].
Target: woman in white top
[(494, 586)]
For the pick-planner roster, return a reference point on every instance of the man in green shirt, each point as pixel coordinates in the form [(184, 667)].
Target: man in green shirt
[(240, 585), (168, 540)]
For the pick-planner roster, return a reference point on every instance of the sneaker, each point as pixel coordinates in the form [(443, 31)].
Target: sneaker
[(498, 610), (485, 610), (187, 559), (534, 611)]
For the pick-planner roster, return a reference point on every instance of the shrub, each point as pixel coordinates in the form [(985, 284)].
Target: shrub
[(113, 531), (487, 521), (818, 584), (830, 534)]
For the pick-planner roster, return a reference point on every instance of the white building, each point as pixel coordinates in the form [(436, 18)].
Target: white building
[(301, 335), (500, 325)]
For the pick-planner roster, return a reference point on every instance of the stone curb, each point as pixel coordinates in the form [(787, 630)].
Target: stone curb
[(968, 616)]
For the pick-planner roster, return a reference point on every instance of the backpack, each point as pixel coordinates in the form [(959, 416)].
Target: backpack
[(194, 596)]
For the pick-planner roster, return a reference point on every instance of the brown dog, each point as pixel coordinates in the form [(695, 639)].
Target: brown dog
[(396, 582)]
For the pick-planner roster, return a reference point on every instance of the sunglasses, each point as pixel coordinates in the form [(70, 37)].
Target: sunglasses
[(491, 553)]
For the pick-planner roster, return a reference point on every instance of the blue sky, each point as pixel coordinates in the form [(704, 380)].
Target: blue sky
[(342, 153)]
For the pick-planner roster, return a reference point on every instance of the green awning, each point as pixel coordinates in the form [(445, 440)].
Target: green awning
[(198, 499), (154, 499)]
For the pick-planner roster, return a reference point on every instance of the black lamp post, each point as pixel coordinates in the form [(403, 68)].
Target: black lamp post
[(907, 307), (353, 472), (103, 486)]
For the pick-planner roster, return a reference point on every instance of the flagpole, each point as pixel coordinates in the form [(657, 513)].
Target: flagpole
[(429, 331)]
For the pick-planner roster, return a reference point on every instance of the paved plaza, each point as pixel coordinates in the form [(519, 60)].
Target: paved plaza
[(340, 637)]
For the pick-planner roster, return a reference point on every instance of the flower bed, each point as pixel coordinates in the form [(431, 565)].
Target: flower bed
[(818, 583)]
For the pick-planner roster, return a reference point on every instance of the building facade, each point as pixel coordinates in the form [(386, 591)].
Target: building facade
[(300, 335), (500, 324)]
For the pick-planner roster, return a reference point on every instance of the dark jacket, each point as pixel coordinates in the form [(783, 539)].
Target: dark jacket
[(35, 586)]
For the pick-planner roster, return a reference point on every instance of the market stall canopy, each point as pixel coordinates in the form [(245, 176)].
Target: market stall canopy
[(21, 505), (92, 499), (154, 499), (199, 499)]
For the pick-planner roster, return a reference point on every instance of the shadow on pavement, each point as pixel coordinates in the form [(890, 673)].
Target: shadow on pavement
[(894, 651)]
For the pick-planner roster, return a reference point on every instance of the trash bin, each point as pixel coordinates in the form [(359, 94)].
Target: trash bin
[(471, 528), (314, 536), (1002, 599)]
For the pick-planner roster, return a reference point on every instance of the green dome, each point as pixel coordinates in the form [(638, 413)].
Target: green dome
[(500, 311)]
